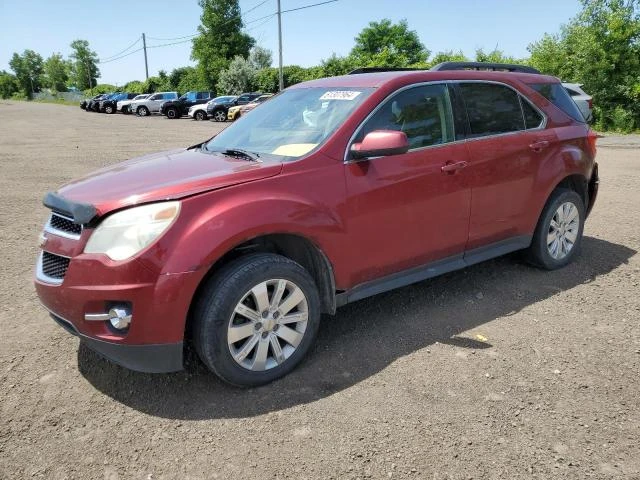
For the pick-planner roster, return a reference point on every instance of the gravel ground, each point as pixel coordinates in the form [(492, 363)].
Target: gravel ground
[(497, 371)]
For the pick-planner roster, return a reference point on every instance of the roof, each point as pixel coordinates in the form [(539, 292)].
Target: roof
[(375, 80)]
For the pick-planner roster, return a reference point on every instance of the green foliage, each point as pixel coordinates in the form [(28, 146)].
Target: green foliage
[(221, 38), (56, 73), (448, 56), (84, 69), (260, 57), (335, 65), (156, 84), (387, 44), (135, 86), (238, 78), (101, 88), (8, 84), (498, 56), (266, 80), (28, 68), (599, 48)]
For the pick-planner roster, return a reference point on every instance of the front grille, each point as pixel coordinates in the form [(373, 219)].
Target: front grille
[(64, 224), (54, 266)]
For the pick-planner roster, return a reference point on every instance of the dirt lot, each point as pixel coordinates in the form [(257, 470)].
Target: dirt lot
[(497, 371)]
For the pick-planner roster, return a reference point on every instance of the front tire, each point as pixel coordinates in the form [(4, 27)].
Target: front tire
[(558, 235), (108, 109), (220, 116), (142, 111), (256, 319)]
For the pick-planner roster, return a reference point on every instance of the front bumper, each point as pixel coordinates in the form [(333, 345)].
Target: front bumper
[(159, 358), (232, 114)]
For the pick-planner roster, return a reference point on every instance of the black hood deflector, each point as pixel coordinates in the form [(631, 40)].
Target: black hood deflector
[(81, 213)]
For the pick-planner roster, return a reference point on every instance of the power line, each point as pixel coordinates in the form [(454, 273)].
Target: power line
[(260, 24), (309, 6), (168, 44), (257, 6), (120, 53), (174, 38), (120, 57)]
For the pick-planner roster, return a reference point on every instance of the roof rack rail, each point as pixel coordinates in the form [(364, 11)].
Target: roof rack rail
[(484, 66), (383, 69)]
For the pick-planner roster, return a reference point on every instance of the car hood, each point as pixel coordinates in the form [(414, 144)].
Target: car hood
[(163, 176)]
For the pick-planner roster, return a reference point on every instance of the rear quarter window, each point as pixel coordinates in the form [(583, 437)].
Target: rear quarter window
[(557, 94)]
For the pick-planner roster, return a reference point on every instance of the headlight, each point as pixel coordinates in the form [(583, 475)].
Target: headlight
[(123, 234)]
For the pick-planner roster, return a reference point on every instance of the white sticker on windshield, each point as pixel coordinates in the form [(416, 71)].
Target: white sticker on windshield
[(340, 95)]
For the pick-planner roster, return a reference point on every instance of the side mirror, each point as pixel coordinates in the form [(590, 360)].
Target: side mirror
[(381, 143)]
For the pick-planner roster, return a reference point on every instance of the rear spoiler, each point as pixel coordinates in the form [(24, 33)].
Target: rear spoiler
[(81, 213)]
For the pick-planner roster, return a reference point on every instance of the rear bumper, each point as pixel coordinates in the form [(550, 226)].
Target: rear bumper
[(161, 358)]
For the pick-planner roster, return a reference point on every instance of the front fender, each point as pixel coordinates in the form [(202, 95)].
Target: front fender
[(214, 223)]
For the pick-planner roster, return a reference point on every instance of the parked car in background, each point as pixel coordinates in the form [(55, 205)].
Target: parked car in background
[(235, 112), (152, 103), (199, 112), (218, 111), (583, 100), (109, 105), (85, 102), (335, 190), (92, 105), (123, 105), (177, 108)]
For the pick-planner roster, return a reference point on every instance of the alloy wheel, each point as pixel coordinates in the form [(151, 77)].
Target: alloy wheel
[(563, 230), (267, 325)]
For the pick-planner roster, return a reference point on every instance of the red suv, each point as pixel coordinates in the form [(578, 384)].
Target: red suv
[(334, 190)]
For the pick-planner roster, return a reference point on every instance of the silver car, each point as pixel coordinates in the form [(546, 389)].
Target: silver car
[(152, 104), (581, 98)]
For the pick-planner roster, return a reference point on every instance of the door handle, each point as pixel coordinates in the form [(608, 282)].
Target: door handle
[(452, 168), (539, 146)]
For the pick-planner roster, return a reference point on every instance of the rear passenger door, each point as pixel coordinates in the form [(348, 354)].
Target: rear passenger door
[(506, 143)]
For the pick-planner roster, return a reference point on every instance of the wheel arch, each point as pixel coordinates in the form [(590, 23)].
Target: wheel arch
[(293, 246)]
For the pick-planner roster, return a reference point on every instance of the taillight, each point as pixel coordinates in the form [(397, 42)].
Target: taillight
[(590, 103), (592, 137)]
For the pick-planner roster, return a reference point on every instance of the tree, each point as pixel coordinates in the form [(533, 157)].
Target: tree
[(56, 73), (260, 57), (599, 48), (8, 84), (28, 68), (84, 69), (497, 56), (238, 78), (386, 41), (448, 56), (220, 38)]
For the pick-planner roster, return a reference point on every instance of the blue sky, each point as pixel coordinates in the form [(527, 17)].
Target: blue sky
[(309, 35)]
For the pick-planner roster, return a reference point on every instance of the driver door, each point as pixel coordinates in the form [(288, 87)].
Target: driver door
[(404, 210)]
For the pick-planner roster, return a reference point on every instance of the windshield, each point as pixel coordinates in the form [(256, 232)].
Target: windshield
[(292, 123)]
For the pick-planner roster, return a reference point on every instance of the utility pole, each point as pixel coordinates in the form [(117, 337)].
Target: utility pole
[(280, 77), (146, 65)]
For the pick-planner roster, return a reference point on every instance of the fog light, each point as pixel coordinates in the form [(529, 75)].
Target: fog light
[(119, 318)]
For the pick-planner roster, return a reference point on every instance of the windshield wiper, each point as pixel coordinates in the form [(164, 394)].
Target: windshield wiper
[(239, 153)]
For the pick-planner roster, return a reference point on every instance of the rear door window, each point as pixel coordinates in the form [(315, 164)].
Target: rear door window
[(492, 109), (557, 94)]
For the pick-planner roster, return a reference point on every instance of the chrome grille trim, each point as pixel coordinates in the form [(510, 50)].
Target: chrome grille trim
[(63, 226)]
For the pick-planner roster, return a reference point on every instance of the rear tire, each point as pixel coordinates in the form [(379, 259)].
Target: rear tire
[(558, 235), (200, 115), (108, 109), (172, 113), (256, 319), (126, 110)]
